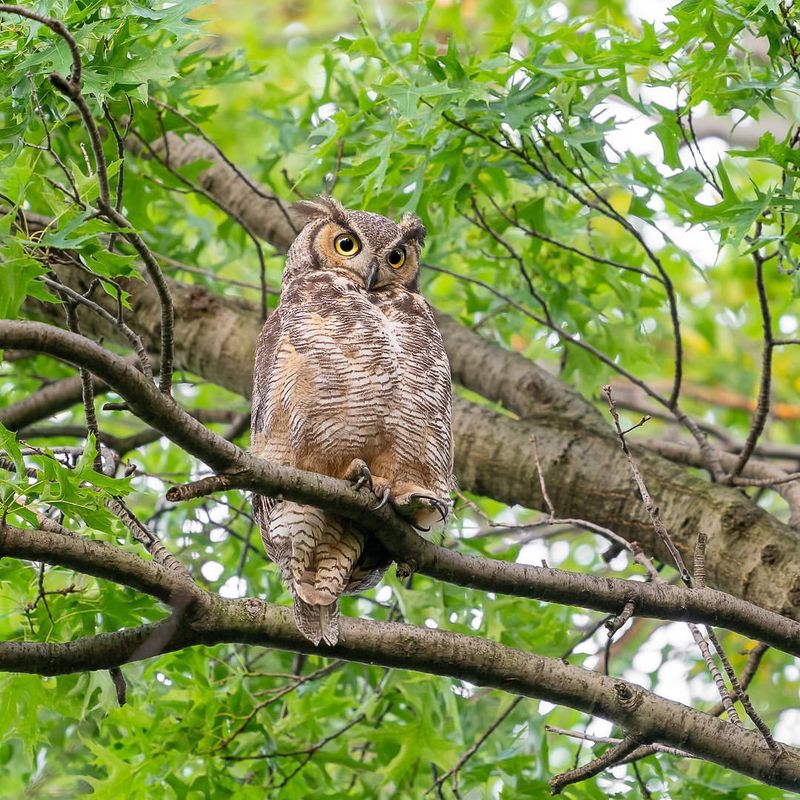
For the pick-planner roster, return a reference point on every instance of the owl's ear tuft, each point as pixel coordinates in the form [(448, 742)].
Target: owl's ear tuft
[(309, 210), (412, 229)]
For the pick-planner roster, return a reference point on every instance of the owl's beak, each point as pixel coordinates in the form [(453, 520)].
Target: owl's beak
[(373, 273)]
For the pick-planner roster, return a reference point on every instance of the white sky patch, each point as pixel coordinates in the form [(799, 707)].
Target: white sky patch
[(667, 96), (384, 594), (787, 728), (559, 551), (295, 29), (637, 677), (648, 325), (533, 553), (233, 588), (787, 324), (512, 135), (630, 130), (469, 527), (465, 689), (558, 12), (672, 681), (154, 484), (212, 570), (603, 38), (431, 623), (620, 562), (653, 11), (553, 124), (676, 634), (218, 513), (192, 526), (519, 78), (703, 689), (584, 554), (700, 244), (599, 727), (515, 52), (588, 648), (730, 319), (218, 535), (647, 660), (508, 516), (325, 111)]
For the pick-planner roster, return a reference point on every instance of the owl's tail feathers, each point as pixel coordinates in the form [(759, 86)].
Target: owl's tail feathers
[(322, 572), (311, 588), (317, 622)]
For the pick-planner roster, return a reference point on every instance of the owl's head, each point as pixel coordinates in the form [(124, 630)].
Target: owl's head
[(368, 248)]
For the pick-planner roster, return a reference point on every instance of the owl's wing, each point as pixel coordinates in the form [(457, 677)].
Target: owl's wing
[(260, 422), (266, 349)]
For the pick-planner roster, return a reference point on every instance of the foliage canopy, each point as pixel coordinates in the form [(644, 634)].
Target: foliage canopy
[(601, 191)]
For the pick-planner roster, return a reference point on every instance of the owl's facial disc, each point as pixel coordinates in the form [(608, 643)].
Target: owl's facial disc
[(370, 250)]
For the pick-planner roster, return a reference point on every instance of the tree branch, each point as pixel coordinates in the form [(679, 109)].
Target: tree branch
[(642, 714), (98, 559)]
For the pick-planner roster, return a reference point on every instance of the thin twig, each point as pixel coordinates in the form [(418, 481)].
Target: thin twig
[(540, 473), (611, 756), (475, 746), (652, 509), (133, 338), (763, 403)]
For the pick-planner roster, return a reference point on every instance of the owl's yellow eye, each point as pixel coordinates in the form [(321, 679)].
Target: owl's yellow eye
[(396, 258), (347, 244)]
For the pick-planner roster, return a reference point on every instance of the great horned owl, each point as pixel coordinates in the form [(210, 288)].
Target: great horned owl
[(351, 381)]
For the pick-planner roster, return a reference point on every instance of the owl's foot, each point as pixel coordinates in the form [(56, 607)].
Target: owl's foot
[(420, 507), (413, 502), (358, 474)]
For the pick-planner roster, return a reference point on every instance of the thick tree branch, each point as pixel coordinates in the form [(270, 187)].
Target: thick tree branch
[(98, 559), (642, 714)]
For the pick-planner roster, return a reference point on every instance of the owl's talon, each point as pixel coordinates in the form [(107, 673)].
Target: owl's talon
[(443, 510), (419, 527), (387, 492), (359, 475), (413, 502)]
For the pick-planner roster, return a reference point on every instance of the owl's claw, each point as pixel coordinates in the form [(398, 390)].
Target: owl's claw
[(442, 507), (387, 493)]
